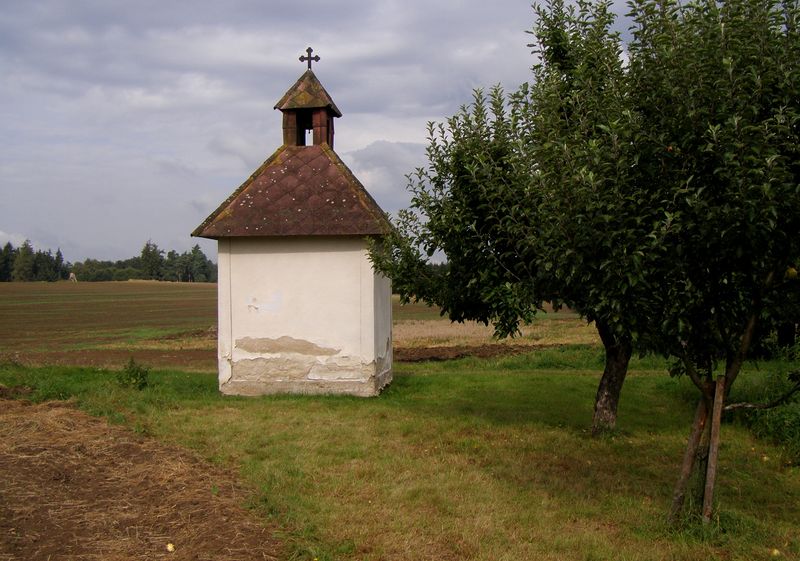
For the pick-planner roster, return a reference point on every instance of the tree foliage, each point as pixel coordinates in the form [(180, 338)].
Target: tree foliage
[(26, 264), (152, 260), (7, 255), (23, 263), (462, 206), (725, 163)]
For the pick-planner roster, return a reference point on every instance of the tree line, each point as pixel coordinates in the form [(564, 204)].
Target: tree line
[(26, 264)]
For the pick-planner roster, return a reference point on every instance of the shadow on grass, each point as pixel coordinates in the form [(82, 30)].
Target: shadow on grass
[(555, 398)]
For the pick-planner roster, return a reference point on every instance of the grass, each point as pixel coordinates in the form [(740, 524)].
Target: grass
[(471, 459), (468, 459)]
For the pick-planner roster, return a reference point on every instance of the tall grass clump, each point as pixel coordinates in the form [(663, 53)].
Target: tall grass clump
[(782, 426)]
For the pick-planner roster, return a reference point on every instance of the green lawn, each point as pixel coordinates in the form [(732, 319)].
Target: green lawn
[(462, 460)]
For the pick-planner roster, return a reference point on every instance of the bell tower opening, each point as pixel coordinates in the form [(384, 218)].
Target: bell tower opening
[(304, 126)]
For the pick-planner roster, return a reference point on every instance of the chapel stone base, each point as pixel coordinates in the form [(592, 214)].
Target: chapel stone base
[(294, 375)]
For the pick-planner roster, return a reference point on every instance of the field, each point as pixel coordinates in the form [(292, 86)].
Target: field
[(174, 325), (103, 324), (484, 457)]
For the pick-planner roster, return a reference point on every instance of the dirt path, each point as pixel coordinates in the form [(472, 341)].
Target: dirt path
[(488, 350), (74, 487)]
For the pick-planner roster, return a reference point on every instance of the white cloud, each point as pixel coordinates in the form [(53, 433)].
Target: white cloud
[(216, 46), (15, 239)]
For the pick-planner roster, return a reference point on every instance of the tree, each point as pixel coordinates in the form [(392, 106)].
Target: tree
[(536, 197), (595, 212), (658, 198), (189, 266), (7, 256), (459, 207), (171, 270), (150, 264), (23, 263), (61, 268), (44, 266), (725, 159), (152, 260)]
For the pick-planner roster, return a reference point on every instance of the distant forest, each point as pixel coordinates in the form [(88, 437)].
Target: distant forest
[(23, 264)]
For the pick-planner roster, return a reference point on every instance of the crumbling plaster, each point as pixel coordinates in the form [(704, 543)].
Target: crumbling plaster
[(302, 315)]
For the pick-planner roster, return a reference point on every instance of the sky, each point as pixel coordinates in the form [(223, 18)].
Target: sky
[(123, 122)]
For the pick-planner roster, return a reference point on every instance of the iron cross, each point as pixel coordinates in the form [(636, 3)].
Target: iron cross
[(309, 58)]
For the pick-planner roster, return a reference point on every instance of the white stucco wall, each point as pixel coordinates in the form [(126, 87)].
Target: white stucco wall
[(302, 315)]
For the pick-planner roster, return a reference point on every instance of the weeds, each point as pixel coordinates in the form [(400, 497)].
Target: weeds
[(134, 375)]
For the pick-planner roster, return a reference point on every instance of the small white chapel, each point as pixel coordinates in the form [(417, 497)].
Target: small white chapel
[(300, 308)]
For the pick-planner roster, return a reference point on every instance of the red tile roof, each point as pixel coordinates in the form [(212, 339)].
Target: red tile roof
[(298, 191)]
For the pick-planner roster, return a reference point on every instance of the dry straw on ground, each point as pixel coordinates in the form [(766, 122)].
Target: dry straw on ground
[(75, 487)]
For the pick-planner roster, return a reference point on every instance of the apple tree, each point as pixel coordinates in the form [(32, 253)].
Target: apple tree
[(535, 196), (717, 86)]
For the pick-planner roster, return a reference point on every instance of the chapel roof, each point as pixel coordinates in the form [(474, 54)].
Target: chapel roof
[(298, 191), (307, 93)]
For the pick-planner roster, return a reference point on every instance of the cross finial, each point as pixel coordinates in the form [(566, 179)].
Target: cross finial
[(309, 58)]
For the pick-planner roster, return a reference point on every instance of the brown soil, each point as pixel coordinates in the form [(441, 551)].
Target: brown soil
[(194, 360), (74, 487), (205, 360), (489, 350)]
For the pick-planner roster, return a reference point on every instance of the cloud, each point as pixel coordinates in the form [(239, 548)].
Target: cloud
[(15, 239), (239, 145), (382, 168), (123, 121)]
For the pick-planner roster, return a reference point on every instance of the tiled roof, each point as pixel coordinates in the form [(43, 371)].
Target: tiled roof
[(298, 191), (307, 93)]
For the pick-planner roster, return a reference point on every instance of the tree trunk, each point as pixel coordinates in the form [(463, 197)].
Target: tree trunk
[(713, 450), (618, 354), (689, 457), (703, 447), (701, 461)]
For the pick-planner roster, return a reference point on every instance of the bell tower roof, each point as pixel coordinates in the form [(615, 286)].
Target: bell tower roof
[(307, 93)]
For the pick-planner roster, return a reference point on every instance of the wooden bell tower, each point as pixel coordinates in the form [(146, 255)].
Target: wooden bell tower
[(308, 107)]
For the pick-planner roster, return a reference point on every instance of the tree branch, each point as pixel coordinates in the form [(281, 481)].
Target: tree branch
[(784, 398), (734, 367), (695, 377)]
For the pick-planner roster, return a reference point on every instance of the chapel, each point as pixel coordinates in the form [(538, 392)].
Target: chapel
[(301, 309)]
